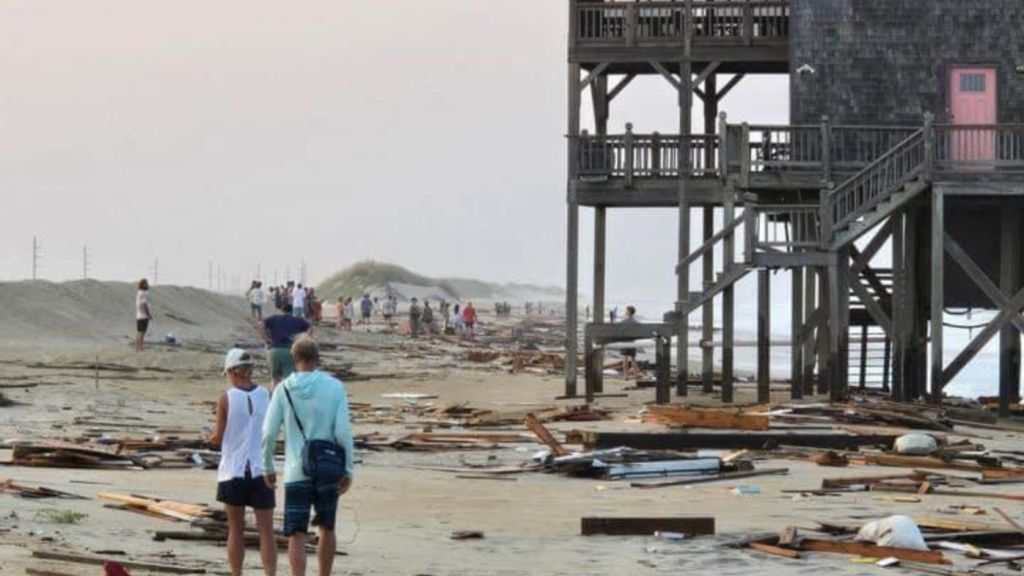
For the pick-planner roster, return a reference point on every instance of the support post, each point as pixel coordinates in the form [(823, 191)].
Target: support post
[(862, 382), (707, 340), (796, 327), (683, 278), (810, 306), (901, 310), (938, 256), (663, 361), (728, 297), (764, 336), (839, 315), (600, 242), (1009, 280), (572, 239)]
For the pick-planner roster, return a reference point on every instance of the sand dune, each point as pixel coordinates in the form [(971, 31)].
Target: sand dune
[(92, 312)]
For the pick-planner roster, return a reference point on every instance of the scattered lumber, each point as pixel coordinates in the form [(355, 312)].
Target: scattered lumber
[(678, 416), (36, 491), (98, 561), (545, 435), (774, 550), (62, 455), (872, 551), (831, 483), (711, 478), (728, 441), (925, 462), (647, 526)]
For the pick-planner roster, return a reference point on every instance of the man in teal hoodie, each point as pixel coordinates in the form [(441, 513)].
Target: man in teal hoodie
[(322, 405)]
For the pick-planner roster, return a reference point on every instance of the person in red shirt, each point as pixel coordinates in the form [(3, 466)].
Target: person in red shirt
[(469, 318)]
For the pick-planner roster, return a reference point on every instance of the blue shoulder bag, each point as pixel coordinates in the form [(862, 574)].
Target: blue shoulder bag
[(323, 461)]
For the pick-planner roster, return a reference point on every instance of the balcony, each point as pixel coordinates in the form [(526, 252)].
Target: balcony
[(724, 30)]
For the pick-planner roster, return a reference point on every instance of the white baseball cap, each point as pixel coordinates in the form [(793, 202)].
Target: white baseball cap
[(237, 357)]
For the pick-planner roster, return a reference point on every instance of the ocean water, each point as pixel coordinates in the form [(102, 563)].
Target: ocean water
[(979, 378)]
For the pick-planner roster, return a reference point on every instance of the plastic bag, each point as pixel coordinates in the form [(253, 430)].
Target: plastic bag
[(894, 532)]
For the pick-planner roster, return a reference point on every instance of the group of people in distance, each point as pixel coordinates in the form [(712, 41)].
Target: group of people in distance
[(303, 300), (455, 320)]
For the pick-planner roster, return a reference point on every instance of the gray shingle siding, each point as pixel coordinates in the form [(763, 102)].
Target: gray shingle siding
[(889, 61)]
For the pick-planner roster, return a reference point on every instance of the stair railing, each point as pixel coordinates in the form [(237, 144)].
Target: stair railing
[(876, 183)]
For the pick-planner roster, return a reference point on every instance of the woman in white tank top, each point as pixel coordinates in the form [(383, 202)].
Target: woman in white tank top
[(240, 484)]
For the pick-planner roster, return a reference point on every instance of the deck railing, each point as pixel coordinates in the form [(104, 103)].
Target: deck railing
[(994, 147), (876, 183), (632, 23), (630, 156), (790, 227)]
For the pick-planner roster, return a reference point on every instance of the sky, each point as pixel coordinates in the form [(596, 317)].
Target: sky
[(236, 135)]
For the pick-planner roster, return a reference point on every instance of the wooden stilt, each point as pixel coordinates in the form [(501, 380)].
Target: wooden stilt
[(707, 345), (938, 258), (728, 300), (600, 236), (683, 278), (1009, 337), (796, 327), (763, 336), (824, 330), (572, 240), (900, 311), (810, 294)]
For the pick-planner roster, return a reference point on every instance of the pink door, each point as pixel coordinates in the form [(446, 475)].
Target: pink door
[(973, 106)]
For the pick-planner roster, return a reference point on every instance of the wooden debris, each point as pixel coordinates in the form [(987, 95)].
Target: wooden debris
[(36, 491), (545, 435), (728, 440), (97, 561), (873, 551), (711, 478), (678, 416), (774, 550), (830, 459), (647, 526), (467, 535), (788, 536)]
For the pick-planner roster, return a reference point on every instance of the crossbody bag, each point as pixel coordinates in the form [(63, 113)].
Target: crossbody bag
[(323, 461)]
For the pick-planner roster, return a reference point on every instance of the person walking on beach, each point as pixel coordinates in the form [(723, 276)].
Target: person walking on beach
[(339, 307), (279, 332), (414, 318), (142, 314), (313, 407), (256, 296), (630, 368), (469, 318), (299, 301), (366, 307), (427, 319), (390, 309), (240, 483)]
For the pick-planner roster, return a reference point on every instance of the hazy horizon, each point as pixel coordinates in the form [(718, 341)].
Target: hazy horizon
[(258, 134)]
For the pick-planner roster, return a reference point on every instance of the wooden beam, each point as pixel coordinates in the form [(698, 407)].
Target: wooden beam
[(796, 390), (701, 94), (538, 428), (731, 440), (666, 74), (764, 355), (981, 279), (621, 86), (873, 551), (98, 561), (861, 259), (729, 86), (709, 245), (597, 71), (1004, 318), (874, 309), (647, 526), (938, 302), (774, 550), (706, 73), (1009, 281), (712, 418)]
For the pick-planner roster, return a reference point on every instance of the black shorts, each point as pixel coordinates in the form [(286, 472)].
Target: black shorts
[(142, 325), (246, 492), (629, 352)]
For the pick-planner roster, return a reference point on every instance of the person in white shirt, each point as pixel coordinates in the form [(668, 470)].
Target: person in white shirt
[(240, 475), (299, 301), (142, 314), (256, 299)]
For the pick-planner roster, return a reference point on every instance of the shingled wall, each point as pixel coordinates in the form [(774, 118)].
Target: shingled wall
[(889, 61)]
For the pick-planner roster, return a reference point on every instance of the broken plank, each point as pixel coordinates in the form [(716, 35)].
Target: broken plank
[(729, 441), (774, 550), (545, 435), (873, 551), (647, 526), (713, 418), (711, 478), (97, 561)]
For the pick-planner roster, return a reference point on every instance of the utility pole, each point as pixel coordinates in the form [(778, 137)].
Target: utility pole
[(156, 270), (220, 279), (35, 257), (85, 262), (209, 276)]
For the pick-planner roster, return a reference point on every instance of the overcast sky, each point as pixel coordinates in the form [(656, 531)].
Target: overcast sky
[(245, 133)]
